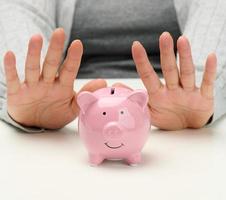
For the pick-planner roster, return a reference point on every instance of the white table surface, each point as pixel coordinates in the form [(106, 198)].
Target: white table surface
[(177, 165)]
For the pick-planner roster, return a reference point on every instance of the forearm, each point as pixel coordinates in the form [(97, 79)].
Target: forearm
[(18, 21), (205, 27)]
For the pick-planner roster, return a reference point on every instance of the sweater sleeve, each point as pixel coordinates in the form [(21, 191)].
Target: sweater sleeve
[(19, 20), (204, 23)]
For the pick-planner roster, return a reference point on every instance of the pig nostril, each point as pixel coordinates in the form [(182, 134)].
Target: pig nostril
[(104, 113), (112, 132)]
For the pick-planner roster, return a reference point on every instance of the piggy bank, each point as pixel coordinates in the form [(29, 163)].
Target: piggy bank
[(114, 124)]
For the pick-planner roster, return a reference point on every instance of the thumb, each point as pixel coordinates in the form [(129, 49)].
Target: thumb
[(91, 86), (121, 85), (94, 85)]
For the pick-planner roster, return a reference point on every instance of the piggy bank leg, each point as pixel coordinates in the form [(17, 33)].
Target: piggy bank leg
[(134, 159), (95, 159)]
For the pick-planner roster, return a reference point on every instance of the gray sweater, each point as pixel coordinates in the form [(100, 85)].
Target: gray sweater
[(108, 28), (203, 22)]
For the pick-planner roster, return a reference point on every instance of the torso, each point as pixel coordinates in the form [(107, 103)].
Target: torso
[(108, 28)]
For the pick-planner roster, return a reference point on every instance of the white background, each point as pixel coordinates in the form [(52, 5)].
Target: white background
[(177, 165)]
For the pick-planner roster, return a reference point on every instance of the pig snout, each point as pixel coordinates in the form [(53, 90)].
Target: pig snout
[(112, 131)]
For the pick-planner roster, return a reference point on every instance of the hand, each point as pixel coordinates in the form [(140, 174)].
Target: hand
[(46, 99), (179, 103)]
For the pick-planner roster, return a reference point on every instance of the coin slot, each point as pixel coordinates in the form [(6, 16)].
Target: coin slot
[(112, 91)]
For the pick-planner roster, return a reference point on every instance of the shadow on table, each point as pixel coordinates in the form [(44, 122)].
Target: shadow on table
[(205, 132), (152, 157), (62, 136)]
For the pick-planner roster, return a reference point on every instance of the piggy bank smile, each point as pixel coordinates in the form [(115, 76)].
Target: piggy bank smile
[(113, 147), (114, 124)]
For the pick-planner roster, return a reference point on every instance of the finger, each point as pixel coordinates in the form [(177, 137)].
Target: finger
[(144, 68), (53, 57), (94, 85), (187, 69), (32, 64), (91, 86), (207, 86), (12, 79), (121, 85), (168, 61), (71, 64)]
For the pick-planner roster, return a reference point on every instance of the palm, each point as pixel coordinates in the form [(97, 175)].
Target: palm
[(174, 109), (178, 103), (45, 99), (43, 106)]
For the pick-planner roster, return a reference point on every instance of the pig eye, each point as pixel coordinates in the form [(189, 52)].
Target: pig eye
[(104, 113), (122, 112)]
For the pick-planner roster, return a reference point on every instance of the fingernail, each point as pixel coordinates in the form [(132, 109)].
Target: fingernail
[(166, 33)]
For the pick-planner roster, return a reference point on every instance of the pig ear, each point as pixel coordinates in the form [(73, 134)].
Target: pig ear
[(85, 99), (140, 97)]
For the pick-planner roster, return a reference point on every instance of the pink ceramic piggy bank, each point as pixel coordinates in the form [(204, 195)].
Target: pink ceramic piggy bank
[(114, 124)]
